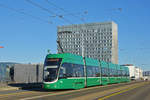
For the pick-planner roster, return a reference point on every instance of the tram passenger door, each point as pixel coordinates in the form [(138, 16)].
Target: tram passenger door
[(78, 74), (93, 76), (65, 77), (71, 76)]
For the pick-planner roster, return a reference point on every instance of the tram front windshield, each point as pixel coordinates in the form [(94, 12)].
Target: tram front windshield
[(51, 69)]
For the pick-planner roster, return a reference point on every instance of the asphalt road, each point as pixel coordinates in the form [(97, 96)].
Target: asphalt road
[(141, 92), (122, 91)]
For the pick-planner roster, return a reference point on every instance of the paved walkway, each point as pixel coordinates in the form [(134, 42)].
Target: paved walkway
[(5, 86)]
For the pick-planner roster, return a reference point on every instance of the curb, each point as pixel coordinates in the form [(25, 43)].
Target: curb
[(9, 88)]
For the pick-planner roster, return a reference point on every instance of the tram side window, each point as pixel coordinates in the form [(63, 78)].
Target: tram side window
[(116, 73), (113, 72), (71, 70), (104, 72), (66, 70), (119, 73), (97, 71), (110, 72), (89, 71), (93, 71), (78, 70), (124, 73), (128, 73)]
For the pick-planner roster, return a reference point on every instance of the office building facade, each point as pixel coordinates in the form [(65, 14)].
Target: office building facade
[(94, 40)]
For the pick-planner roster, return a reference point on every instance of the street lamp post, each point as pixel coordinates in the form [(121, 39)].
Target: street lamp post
[(83, 55), (1, 47)]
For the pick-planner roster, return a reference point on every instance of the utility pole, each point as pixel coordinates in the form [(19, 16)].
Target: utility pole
[(83, 51), (59, 44), (1, 47), (84, 61)]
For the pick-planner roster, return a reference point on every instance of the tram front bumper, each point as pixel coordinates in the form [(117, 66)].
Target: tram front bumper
[(49, 86)]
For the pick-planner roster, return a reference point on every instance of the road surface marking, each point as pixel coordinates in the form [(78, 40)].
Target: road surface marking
[(59, 93), (17, 93), (46, 95), (122, 91), (100, 94)]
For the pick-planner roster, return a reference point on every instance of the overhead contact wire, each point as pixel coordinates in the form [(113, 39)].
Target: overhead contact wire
[(57, 7), (47, 10), (24, 13)]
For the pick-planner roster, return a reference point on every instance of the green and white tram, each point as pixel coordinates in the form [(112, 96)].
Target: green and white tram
[(69, 71)]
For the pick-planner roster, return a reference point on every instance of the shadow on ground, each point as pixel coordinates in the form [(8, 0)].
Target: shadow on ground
[(32, 87)]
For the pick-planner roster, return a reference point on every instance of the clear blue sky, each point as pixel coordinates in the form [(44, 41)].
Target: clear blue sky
[(27, 39)]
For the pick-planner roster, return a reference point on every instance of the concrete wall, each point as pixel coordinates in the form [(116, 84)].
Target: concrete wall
[(28, 73)]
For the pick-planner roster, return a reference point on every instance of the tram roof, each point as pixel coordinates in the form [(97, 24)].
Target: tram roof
[(64, 55), (77, 59)]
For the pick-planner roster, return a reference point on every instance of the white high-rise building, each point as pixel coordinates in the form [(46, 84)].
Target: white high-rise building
[(135, 72), (96, 40)]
